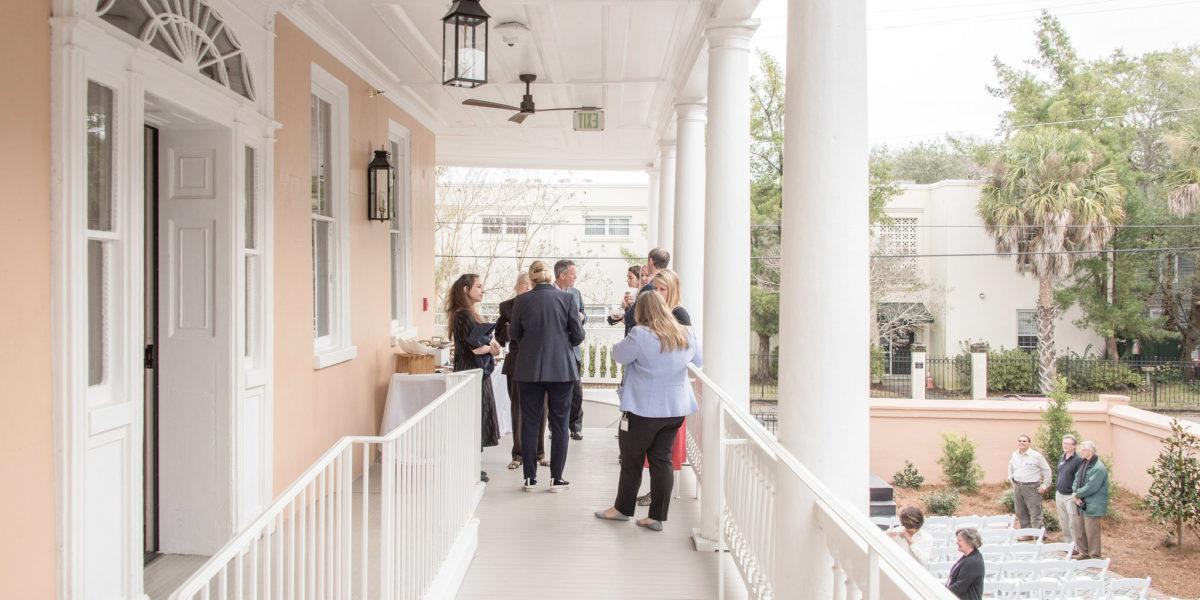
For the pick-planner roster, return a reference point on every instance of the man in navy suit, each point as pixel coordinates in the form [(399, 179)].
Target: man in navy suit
[(564, 279)]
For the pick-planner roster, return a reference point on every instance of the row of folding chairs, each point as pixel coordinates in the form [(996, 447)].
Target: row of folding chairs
[(945, 546), (952, 524), (1001, 570), (1079, 589), (1005, 552)]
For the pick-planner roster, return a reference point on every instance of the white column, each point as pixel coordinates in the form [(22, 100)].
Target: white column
[(917, 372), (651, 207), (727, 207), (688, 255), (666, 196), (824, 417), (979, 371)]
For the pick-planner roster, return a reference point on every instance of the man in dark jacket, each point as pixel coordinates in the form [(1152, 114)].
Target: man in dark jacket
[(547, 327), (658, 260), (564, 279)]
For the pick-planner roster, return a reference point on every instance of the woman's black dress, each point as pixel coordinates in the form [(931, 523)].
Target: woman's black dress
[(465, 360)]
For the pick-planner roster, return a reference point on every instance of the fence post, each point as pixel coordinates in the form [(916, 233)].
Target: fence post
[(918, 372), (979, 368)]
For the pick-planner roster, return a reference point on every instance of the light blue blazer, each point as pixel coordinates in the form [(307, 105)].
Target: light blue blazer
[(656, 382)]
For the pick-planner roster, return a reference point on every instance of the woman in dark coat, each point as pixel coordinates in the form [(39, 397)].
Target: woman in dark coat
[(966, 577), (503, 335), (462, 316)]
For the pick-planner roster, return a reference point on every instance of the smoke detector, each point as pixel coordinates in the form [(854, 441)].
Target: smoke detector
[(511, 32)]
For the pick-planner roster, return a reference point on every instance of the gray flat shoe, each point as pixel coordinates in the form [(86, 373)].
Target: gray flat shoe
[(600, 515), (652, 526)]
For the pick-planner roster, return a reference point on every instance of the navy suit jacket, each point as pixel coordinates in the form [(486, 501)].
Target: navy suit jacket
[(546, 324)]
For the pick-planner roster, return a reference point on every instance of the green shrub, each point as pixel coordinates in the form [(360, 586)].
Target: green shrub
[(591, 366), (1056, 423), (773, 363), (1091, 375), (941, 502), (876, 364), (1012, 371), (1111, 512), (959, 468), (908, 477), (1006, 501), (1050, 519)]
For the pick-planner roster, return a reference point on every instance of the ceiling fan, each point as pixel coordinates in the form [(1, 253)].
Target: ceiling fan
[(527, 107)]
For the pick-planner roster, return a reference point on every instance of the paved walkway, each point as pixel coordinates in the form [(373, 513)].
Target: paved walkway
[(547, 545)]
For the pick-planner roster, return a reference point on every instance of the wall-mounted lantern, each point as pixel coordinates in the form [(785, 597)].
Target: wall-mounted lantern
[(465, 45), (381, 187)]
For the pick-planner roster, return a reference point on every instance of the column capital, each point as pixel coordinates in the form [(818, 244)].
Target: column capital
[(730, 34), (691, 110)]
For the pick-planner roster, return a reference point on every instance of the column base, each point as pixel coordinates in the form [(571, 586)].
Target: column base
[(704, 544)]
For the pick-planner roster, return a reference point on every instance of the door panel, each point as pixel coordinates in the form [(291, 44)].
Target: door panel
[(196, 347)]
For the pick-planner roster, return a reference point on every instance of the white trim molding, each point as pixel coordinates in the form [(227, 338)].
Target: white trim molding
[(402, 327)]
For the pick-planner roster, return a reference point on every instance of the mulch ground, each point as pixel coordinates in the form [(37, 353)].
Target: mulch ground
[(1133, 541)]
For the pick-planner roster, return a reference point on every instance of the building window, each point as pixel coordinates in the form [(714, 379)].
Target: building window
[(190, 32), (505, 225), (1027, 326), (900, 239), (400, 232), (328, 147), (252, 258), (606, 226), (101, 234)]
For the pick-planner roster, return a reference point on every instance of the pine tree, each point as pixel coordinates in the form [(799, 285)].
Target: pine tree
[(1174, 497), (1056, 423)]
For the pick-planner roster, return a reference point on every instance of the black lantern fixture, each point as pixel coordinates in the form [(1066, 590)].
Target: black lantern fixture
[(381, 187), (465, 45)]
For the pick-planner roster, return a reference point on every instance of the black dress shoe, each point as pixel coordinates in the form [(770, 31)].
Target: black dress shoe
[(483, 476), (576, 435)]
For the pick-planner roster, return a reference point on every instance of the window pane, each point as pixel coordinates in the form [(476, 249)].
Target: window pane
[(618, 226), (327, 179), (321, 150), (251, 181), (518, 225), (251, 307), (493, 225), (396, 276), (99, 156), (97, 276), (321, 277), (401, 181), (314, 153), (593, 226)]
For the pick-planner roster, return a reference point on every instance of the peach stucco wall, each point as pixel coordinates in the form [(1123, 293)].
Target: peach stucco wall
[(313, 408), (27, 470), (907, 430)]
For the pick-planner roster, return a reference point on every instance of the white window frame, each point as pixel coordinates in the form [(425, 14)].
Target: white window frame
[(505, 222), (608, 225), (402, 323), (337, 347), (1034, 314)]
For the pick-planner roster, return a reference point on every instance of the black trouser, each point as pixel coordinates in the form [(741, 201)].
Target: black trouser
[(648, 438), (558, 403), (514, 399), (577, 402)]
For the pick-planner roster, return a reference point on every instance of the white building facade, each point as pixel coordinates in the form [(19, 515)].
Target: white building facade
[(971, 298)]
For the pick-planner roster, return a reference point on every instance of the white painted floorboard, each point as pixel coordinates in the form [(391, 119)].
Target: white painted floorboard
[(543, 545)]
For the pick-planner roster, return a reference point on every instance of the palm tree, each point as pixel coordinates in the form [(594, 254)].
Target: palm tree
[(1184, 181), (1051, 198)]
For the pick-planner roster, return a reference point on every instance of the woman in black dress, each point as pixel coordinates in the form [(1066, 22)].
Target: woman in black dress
[(462, 316)]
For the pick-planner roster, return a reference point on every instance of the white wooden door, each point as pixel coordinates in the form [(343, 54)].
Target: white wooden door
[(197, 340)]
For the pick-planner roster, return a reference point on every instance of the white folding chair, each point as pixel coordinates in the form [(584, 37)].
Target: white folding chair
[(1035, 532), (1001, 590), (1014, 571), (968, 523), (1084, 589), (885, 523), (1001, 537), (946, 550), (1092, 568), (940, 570), (1128, 589), (992, 567), (1054, 570), (1055, 551), (1043, 590), (1023, 551), (998, 522)]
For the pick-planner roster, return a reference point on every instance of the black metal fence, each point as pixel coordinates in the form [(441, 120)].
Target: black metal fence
[(948, 378), (769, 420), (764, 377)]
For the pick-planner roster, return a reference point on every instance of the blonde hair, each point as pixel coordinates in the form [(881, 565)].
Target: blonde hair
[(540, 273), (670, 279), (651, 310), (522, 278)]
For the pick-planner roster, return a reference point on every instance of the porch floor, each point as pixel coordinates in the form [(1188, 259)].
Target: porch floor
[(550, 544)]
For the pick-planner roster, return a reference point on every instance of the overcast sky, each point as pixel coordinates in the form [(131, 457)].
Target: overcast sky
[(929, 61)]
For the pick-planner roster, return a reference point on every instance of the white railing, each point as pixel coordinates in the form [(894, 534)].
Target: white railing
[(331, 535), (866, 564), (598, 364)]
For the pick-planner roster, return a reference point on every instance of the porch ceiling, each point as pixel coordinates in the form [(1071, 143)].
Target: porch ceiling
[(631, 57)]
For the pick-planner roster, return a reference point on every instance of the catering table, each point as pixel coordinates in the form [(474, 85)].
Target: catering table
[(408, 394)]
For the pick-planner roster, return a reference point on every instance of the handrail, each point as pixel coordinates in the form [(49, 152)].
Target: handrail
[(323, 493), (851, 521)]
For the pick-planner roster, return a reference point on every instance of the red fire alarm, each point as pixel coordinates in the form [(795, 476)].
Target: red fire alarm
[(424, 304)]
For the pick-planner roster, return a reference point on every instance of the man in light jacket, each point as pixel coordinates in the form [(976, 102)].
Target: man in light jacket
[(1030, 476)]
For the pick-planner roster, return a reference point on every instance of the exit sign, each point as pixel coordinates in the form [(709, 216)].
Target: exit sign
[(589, 120)]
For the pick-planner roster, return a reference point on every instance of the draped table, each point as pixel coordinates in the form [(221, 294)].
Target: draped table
[(408, 394)]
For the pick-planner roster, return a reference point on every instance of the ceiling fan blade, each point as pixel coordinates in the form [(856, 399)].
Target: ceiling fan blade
[(486, 104), (519, 117), (572, 108)]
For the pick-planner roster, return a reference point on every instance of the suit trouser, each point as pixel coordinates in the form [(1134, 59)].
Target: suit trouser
[(577, 402), (1065, 503), (1028, 502), (514, 399), (558, 403), (1087, 534), (648, 439)]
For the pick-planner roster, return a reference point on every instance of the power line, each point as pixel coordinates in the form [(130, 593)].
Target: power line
[(1040, 4), (1038, 124), (874, 256), (1002, 17)]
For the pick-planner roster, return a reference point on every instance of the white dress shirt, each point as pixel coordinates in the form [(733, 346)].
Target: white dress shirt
[(1030, 467)]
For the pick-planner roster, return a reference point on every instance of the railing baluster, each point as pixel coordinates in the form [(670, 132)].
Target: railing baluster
[(366, 518)]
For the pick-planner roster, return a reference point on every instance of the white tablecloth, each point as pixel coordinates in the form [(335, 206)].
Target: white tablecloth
[(408, 394)]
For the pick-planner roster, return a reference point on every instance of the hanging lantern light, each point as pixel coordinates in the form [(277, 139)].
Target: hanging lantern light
[(381, 187), (464, 45)]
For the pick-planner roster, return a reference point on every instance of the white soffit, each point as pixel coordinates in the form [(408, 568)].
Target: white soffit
[(631, 57)]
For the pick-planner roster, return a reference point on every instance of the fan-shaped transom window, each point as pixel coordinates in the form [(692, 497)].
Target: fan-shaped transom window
[(187, 30)]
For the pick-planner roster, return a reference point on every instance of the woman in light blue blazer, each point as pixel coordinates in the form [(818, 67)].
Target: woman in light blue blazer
[(655, 397)]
